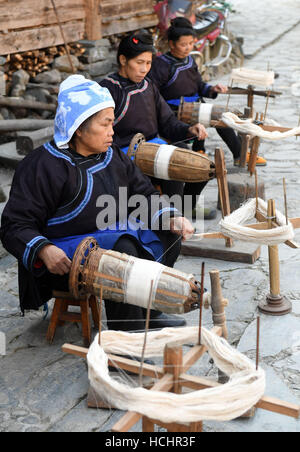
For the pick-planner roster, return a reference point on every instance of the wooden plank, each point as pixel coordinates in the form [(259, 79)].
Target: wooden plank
[(130, 419), (40, 38), (124, 26), (280, 407), (266, 403), (16, 14), (246, 253), (117, 8), (118, 361)]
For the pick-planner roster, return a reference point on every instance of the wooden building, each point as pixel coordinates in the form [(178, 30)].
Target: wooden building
[(32, 24)]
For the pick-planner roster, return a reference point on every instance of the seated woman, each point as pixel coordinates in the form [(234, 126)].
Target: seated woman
[(60, 192), (176, 74), (140, 108)]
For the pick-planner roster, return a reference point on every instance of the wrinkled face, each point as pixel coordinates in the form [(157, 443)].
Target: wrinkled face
[(136, 68), (97, 135), (183, 47)]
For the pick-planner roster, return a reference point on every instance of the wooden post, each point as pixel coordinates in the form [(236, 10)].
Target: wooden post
[(273, 255), (93, 26), (218, 303), (250, 98), (173, 364), (254, 153), (245, 141), (218, 311), (276, 304), (221, 174)]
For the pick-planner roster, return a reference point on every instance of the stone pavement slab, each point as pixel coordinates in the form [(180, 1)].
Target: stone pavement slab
[(261, 23)]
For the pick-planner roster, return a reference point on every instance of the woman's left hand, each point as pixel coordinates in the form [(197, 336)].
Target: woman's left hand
[(182, 226), (219, 88)]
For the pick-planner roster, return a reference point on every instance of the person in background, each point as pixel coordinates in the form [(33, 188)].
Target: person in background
[(176, 75), (140, 108)]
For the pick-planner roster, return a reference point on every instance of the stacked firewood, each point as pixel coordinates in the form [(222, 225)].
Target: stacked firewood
[(36, 61)]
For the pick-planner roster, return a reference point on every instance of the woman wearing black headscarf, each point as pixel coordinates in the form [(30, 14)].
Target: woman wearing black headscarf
[(140, 108)]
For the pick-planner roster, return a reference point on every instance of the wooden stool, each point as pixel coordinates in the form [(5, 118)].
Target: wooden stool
[(60, 315)]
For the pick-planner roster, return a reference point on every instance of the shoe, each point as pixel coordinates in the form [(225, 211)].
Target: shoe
[(202, 153), (207, 213), (161, 320), (260, 161)]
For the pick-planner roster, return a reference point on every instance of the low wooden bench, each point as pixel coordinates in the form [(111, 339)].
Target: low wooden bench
[(60, 314)]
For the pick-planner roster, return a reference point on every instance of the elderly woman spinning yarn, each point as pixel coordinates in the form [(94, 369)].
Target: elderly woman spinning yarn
[(73, 187)]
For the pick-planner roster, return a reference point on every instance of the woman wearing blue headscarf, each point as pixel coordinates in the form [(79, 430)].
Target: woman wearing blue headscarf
[(56, 201)]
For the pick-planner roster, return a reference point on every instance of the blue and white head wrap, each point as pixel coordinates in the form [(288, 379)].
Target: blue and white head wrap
[(78, 99)]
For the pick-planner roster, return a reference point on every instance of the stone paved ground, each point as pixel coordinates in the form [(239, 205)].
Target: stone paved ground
[(41, 389)]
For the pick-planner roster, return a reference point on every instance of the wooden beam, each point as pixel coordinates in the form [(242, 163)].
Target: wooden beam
[(16, 14), (117, 25), (13, 102), (118, 361), (40, 38), (15, 125), (93, 23), (221, 174)]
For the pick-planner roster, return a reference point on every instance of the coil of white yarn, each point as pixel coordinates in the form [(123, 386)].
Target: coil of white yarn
[(223, 403), (253, 77), (248, 127), (232, 225)]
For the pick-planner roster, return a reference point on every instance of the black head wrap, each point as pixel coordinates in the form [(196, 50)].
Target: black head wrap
[(135, 44), (180, 26)]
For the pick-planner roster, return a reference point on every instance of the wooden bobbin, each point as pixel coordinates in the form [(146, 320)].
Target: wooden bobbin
[(275, 304)]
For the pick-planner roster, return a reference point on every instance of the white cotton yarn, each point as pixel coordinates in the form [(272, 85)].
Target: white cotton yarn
[(205, 113), (223, 403), (249, 128), (253, 77), (232, 225), (162, 161)]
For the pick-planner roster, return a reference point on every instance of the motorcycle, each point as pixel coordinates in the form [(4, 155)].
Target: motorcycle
[(213, 47)]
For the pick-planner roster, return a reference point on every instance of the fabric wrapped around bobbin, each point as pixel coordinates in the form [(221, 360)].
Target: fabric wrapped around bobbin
[(168, 162), (127, 279), (204, 113)]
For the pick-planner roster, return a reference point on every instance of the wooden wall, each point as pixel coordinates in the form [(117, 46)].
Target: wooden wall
[(31, 24)]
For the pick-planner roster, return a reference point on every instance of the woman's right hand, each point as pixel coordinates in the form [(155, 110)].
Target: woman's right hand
[(55, 259), (199, 131)]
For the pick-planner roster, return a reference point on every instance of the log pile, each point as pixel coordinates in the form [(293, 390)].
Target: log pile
[(36, 61), (29, 86)]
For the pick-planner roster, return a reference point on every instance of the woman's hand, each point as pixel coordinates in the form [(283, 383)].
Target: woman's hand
[(219, 88), (55, 259), (198, 131), (182, 226)]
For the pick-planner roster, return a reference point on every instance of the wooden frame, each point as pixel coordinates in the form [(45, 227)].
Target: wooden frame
[(173, 376)]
